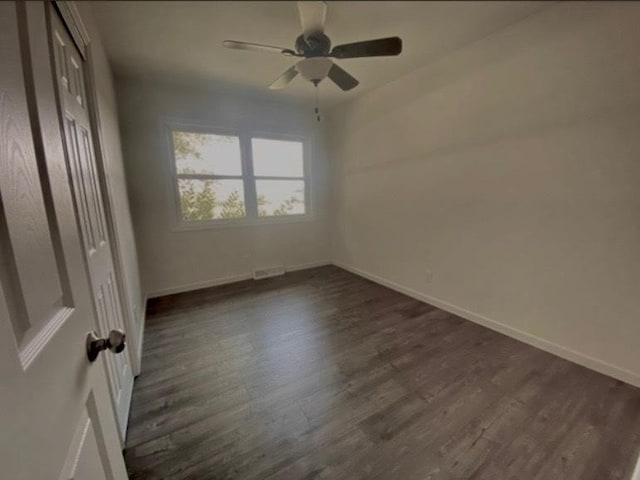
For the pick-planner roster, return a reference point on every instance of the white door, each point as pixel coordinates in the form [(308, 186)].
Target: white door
[(56, 417), (72, 88)]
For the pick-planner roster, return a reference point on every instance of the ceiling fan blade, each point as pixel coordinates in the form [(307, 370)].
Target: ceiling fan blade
[(284, 79), (313, 14), (380, 47), (341, 78), (257, 47)]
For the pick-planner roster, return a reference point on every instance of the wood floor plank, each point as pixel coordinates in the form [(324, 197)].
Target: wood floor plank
[(322, 374)]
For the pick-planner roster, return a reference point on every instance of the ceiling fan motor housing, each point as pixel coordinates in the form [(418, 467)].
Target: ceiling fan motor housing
[(314, 45)]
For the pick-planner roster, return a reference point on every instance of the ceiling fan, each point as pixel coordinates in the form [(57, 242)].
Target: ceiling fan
[(314, 47)]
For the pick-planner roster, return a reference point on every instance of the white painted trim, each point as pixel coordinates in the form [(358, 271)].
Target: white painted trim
[(546, 345), (143, 319), (306, 266), (73, 21), (187, 287), (636, 472), (231, 279), (188, 226)]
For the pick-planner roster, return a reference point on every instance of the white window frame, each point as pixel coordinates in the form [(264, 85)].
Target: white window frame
[(249, 180)]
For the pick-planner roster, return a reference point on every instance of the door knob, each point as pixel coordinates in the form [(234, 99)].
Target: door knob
[(114, 342)]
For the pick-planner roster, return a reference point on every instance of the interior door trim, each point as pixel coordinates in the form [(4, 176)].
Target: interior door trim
[(73, 22)]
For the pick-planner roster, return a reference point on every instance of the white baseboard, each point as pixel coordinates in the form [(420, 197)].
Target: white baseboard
[(231, 279), (187, 287), (306, 266), (546, 345)]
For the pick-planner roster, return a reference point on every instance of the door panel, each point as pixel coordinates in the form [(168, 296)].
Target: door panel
[(107, 306), (56, 417), (32, 267), (89, 202), (85, 459)]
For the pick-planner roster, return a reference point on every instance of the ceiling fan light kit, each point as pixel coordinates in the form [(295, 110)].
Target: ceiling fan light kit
[(314, 69), (314, 47)]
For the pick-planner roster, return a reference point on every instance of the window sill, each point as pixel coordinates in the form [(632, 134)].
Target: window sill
[(183, 226)]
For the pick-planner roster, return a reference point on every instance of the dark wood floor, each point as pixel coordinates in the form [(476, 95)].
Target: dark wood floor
[(321, 374)]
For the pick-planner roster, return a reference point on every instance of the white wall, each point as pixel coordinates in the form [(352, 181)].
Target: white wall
[(183, 260), (124, 243), (510, 169)]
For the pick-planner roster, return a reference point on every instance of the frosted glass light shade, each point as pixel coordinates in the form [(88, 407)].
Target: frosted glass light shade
[(314, 69)]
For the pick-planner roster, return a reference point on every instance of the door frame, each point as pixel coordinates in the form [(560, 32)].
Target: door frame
[(72, 20), (636, 473)]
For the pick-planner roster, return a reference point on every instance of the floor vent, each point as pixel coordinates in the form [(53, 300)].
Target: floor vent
[(268, 272)]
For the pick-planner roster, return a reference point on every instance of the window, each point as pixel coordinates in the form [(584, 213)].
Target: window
[(278, 169), (209, 174), (221, 178)]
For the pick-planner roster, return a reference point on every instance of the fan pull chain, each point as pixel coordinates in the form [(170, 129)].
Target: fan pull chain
[(317, 104)]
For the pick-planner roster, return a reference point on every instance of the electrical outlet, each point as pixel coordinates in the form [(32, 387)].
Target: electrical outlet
[(428, 276)]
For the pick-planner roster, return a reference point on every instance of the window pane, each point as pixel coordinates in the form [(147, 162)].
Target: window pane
[(280, 197), (211, 199), (206, 153), (277, 158)]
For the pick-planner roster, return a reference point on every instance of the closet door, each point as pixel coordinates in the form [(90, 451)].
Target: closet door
[(72, 86), (56, 415)]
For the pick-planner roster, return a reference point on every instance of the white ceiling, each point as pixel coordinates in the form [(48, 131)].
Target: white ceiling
[(181, 42)]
